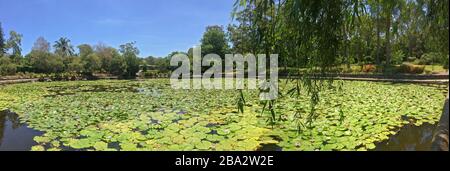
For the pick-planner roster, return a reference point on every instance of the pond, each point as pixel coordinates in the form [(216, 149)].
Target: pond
[(15, 136), (147, 115)]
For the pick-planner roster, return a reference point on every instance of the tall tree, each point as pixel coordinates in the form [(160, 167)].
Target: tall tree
[(106, 55), (41, 45), (14, 42), (390, 11), (63, 47), (242, 35), (129, 51), (92, 63), (2, 41), (438, 23), (214, 41), (375, 11), (84, 50), (118, 65)]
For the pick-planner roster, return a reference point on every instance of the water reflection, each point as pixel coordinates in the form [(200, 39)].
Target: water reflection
[(15, 136), (410, 138), (270, 147)]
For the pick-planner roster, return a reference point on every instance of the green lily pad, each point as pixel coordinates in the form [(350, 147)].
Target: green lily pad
[(100, 146), (37, 148)]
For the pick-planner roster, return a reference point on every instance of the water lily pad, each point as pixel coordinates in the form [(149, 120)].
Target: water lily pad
[(101, 146), (80, 143), (41, 139), (128, 146), (37, 148)]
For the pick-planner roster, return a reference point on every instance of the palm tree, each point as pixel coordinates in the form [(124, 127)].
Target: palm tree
[(63, 47)]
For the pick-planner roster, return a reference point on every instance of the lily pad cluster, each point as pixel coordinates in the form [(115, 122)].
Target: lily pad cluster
[(110, 115)]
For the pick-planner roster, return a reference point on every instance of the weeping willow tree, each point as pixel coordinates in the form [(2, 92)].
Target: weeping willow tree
[(438, 24), (305, 33)]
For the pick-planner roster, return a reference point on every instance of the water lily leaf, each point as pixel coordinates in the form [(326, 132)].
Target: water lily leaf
[(128, 146), (214, 138), (80, 143), (41, 139), (37, 148), (55, 143), (370, 146), (203, 145), (54, 149), (223, 131), (101, 146)]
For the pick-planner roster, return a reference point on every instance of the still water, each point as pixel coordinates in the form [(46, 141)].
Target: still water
[(15, 136), (410, 138)]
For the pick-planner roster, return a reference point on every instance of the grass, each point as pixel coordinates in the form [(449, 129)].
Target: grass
[(435, 69)]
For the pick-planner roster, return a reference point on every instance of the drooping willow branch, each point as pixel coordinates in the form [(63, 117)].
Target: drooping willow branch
[(307, 33)]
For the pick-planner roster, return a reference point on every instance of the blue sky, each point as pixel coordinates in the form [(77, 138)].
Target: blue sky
[(158, 26)]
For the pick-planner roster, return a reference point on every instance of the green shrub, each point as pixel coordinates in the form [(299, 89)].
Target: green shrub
[(7, 67), (411, 59), (45, 62), (416, 62), (150, 73), (411, 68), (431, 58), (397, 57)]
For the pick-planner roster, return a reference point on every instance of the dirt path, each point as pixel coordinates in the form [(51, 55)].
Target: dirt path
[(397, 78), (402, 78), (3, 82), (417, 81)]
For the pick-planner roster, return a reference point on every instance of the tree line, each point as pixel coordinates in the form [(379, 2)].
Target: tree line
[(306, 34), (61, 57), (89, 59)]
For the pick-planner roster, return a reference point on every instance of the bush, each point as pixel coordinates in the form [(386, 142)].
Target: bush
[(411, 68), (7, 67), (431, 58), (45, 62), (411, 59), (118, 65), (397, 57), (150, 74), (369, 68), (416, 62), (92, 63), (75, 65)]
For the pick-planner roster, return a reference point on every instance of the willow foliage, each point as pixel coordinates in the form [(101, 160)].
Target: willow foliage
[(304, 32)]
